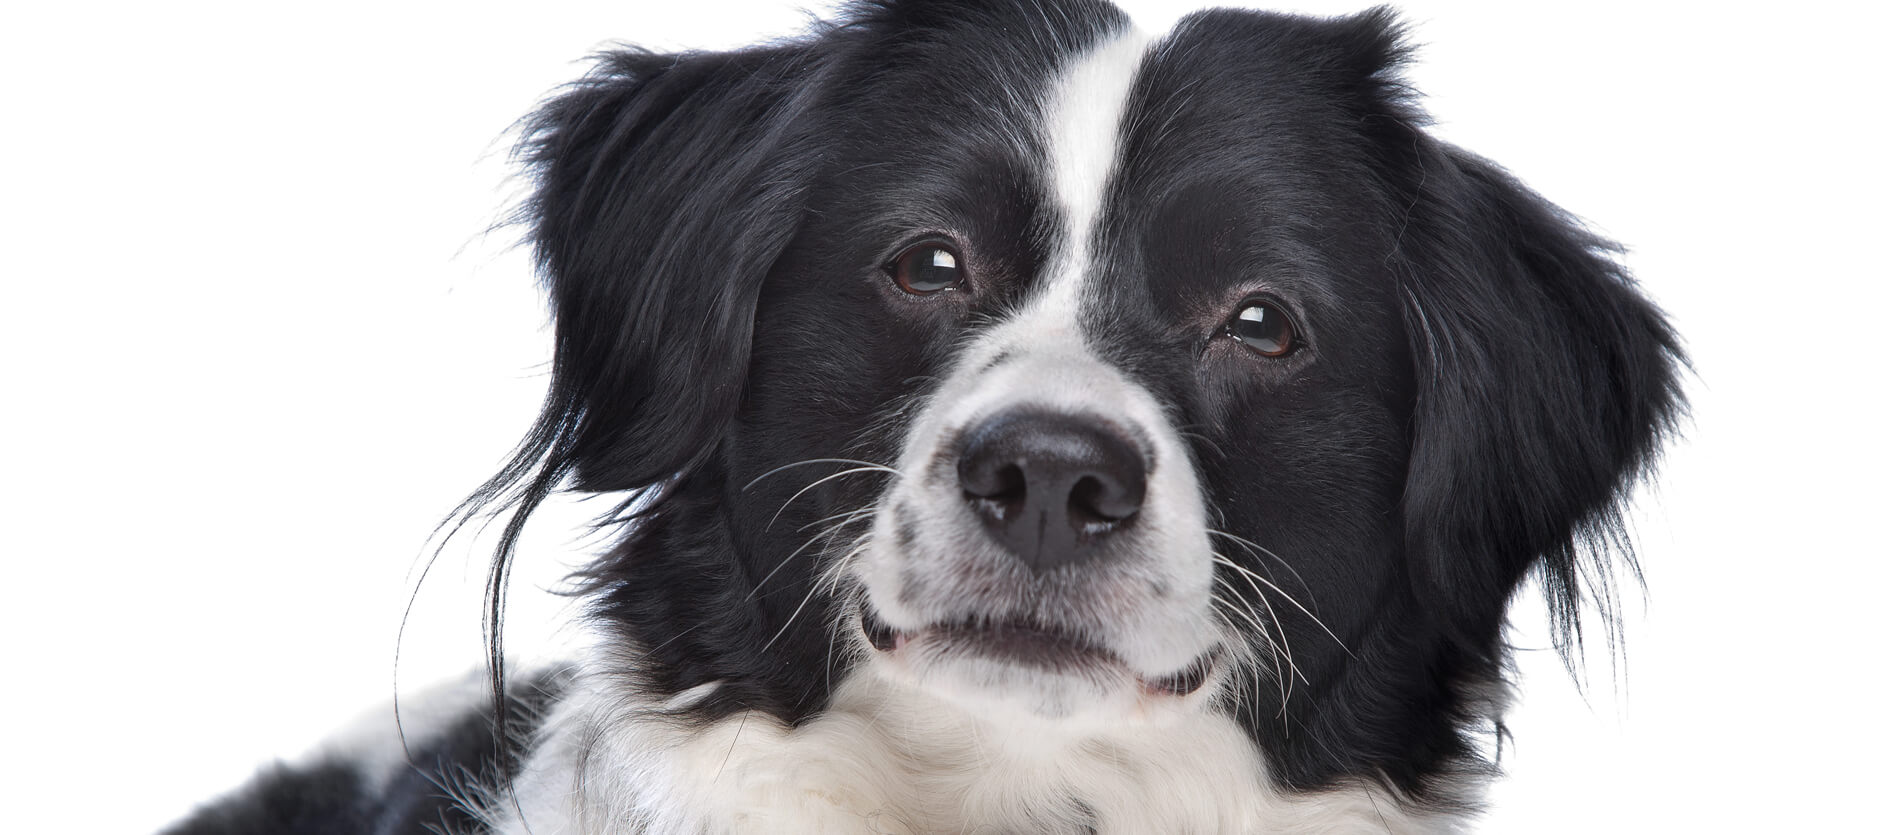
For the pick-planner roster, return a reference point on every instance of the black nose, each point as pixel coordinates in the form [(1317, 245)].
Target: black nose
[(1051, 487)]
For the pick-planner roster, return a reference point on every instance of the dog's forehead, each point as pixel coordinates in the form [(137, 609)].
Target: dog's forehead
[(1210, 158), (1192, 145)]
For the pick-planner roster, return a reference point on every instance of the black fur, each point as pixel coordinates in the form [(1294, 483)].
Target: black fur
[(1486, 384), (1480, 383)]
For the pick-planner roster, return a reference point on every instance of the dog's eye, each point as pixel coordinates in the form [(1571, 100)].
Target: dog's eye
[(927, 268), (1264, 327)]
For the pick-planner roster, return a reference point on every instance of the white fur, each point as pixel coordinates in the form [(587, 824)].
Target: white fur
[(1083, 140), (891, 759)]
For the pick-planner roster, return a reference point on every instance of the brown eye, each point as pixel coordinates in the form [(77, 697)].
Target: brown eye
[(1264, 327), (927, 268)]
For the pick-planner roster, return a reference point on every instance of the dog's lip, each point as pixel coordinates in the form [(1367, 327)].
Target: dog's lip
[(1187, 680), (1032, 644), (883, 636)]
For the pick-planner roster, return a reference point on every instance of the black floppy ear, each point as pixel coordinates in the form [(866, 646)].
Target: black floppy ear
[(1546, 384), (665, 186)]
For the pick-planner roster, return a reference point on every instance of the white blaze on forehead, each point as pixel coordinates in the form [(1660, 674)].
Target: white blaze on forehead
[(1083, 142), (1151, 611)]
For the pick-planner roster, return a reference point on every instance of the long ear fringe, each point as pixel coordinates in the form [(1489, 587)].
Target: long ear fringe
[(1581, 576), (1548, 388), (533, 473), (627, 194)]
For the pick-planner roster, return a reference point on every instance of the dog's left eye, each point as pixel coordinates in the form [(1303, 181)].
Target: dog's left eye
[(927, 268), (1264, 327)]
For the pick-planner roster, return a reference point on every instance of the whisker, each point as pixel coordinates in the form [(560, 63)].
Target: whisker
[(830, 531), (789, 620), (1259, 549), (1259, 625), (775, 470), (837, 571), (1250, 577), (1286, 646), (833, 575), (854, 514), (802, 491), (1254, 577), (1278, 646), (1248, 658)]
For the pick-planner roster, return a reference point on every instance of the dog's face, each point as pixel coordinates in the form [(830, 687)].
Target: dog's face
[(1078, 373), (1157, 399)]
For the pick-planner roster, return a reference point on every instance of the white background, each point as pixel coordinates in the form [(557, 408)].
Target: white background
[(256, 344)]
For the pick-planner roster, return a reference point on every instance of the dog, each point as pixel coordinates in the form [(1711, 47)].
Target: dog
[(1032, 424)]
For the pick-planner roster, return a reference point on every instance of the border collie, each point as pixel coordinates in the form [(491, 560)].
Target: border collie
[(1033, 425)]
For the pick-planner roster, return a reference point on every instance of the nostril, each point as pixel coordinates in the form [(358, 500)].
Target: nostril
[(994, 488), (1098, 502)]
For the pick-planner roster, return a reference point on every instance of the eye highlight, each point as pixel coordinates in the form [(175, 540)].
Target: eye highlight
[(926, 268), (1264, 327)]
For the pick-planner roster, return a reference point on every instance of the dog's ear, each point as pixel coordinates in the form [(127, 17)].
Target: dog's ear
[(1546, 385), (665, 186)]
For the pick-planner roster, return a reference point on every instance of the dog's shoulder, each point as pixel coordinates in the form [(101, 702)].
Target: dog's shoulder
[(427, 771)]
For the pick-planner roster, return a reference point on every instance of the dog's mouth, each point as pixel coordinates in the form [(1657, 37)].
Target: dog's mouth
[(1029, 644)]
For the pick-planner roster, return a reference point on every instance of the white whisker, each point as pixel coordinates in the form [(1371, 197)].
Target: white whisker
[(1261, 550), (830, 531), (803, 490), (768, 473), (1285, 646), (853, 514), (1255, 577)]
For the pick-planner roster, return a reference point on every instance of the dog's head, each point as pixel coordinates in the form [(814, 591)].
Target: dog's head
[(1009, 353)]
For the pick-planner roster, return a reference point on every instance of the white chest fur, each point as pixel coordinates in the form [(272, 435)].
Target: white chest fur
[(887, 759)]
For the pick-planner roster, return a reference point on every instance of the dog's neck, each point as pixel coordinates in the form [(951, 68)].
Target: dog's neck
[(887, 758)]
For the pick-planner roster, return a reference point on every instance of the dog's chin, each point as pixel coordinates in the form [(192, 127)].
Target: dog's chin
[(1021, 668)]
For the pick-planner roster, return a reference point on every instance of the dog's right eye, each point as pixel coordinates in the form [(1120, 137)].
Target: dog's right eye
[(928, 267)]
